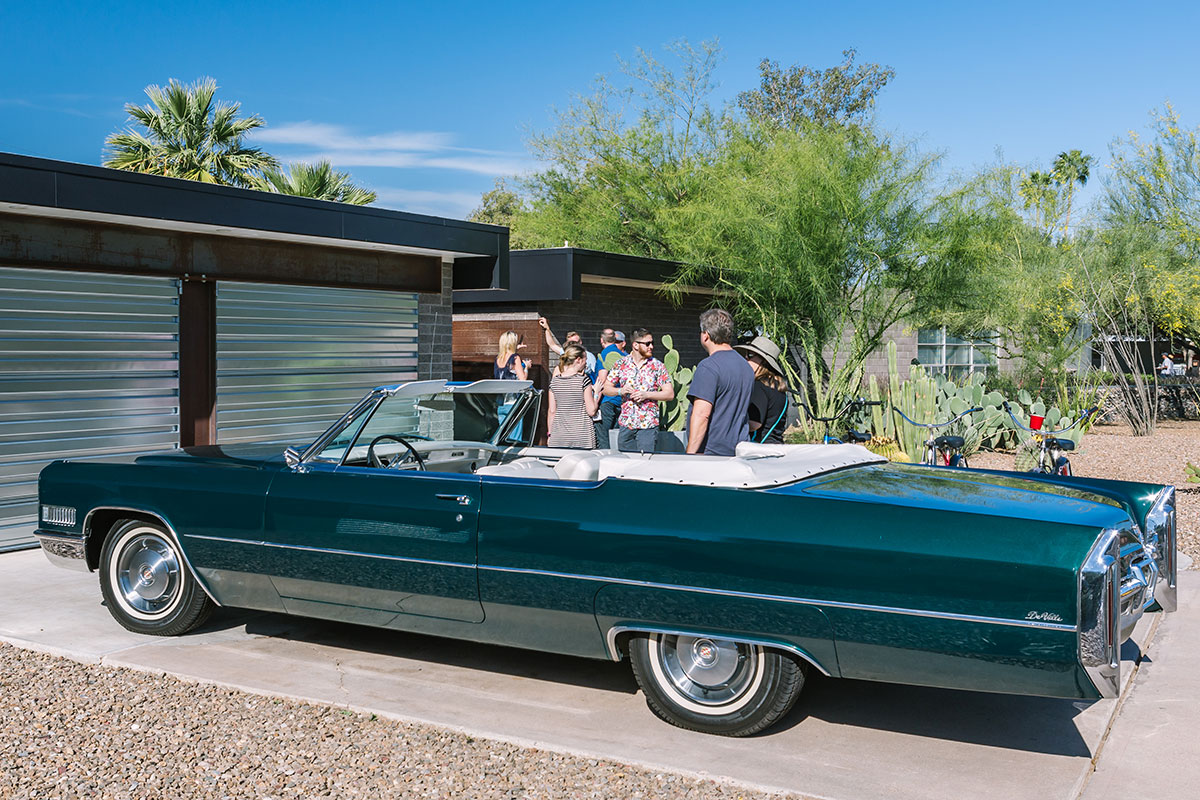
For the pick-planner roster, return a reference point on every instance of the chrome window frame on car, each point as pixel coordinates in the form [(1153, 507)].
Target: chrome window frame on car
[(297, 459)]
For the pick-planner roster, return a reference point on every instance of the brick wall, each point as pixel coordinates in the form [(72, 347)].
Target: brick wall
[(599, 305), (435, 329)]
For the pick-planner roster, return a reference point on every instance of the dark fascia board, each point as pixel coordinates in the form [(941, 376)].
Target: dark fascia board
[(80, 187), (556, 274)]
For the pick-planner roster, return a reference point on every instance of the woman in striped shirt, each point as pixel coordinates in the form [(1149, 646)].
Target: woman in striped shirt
[(572, 402)]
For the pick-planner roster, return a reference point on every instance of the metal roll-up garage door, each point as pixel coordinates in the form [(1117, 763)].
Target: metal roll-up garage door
[(89, 368), (292, 359)]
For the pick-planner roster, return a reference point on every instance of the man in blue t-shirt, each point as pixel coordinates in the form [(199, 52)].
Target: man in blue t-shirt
[(610, 407), (720, 390)]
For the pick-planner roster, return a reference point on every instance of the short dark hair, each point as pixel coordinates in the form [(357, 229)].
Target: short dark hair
[(718, 324), (639, 333), (607, 336)]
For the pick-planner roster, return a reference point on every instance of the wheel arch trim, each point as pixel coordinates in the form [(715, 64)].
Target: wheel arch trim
[(167, 526), (615, 653)]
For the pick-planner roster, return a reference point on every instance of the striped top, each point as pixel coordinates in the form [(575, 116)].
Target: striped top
[(572, 425)]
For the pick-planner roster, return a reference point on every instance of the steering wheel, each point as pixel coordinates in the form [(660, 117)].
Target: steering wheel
[(394, 462)]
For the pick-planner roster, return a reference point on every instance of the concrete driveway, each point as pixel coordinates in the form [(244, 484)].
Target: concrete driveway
[(848, 740)]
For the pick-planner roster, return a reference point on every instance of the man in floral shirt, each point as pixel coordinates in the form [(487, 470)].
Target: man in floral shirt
[(641, 381)]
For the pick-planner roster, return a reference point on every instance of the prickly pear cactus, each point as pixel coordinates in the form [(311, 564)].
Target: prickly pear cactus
[(673, 413), (1192, 472)]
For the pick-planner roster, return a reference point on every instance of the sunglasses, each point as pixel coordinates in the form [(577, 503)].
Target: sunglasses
[(647, 343)]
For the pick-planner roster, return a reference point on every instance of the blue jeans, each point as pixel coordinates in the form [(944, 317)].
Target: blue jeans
[(608, 420), (637, 440)]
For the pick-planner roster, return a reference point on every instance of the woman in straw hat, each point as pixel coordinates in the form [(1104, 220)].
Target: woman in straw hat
[(768, 399)]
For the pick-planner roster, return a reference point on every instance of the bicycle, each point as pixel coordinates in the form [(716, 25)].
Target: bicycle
[(948, 448), (852, 407), (1051, 460)]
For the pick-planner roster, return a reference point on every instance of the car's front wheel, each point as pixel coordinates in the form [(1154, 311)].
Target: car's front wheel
[(146, 585), (715, 685)]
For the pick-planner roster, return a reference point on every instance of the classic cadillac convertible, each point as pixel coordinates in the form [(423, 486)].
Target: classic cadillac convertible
[(723, 580)]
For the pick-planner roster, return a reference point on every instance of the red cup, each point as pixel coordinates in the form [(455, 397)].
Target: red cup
[(1035, 422)]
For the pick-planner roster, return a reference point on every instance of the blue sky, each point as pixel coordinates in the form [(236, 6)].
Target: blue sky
[(428, 102)]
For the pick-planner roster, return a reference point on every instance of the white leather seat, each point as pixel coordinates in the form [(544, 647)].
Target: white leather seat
[(583, 465), (521, 468)]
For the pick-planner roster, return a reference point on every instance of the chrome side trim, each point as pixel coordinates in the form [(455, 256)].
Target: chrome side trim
[(615, 654), (912, 612), (87, 532), (331, 551), (1100, 614), (65, 551)]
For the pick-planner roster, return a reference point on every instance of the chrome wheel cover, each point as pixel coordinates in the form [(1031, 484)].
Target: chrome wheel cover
[(705, 674), (145, 573)]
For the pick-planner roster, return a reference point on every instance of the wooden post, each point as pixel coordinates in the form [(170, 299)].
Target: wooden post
[(197, 362)]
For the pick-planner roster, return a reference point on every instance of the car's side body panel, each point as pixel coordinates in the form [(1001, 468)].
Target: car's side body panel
[(895, 573)]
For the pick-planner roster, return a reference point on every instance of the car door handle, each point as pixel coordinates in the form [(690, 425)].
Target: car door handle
[(461, 499)]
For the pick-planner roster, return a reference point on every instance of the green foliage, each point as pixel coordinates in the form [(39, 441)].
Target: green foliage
[(187, 134), (811, 235), (319, 181), (502, 205), (623, 156), (1192, 472), (673, 413), (794, 97)]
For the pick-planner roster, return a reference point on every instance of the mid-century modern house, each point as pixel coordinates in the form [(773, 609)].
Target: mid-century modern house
[(140, 313)]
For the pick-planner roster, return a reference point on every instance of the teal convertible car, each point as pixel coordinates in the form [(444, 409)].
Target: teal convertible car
[(724, 580)]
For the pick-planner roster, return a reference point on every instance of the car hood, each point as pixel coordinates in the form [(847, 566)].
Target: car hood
[(245, 456), (971, 491)]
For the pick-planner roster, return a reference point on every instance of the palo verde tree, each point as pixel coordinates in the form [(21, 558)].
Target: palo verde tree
[(621, 157), (822, 238), (185, 133), (801, 95)]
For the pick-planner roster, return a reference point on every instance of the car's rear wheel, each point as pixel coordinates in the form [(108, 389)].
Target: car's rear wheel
[(146, 584), (715, 685)]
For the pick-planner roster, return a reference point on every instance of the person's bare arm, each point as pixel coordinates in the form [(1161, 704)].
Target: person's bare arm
[(550, 413), (701, 412), (551, 340), (590, 403), (521, 368)]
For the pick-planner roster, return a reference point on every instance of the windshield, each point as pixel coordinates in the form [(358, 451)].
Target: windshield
[(438, 417)]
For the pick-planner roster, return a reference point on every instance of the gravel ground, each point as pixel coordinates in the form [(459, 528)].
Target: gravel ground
[(1110, 451), (74, 730)]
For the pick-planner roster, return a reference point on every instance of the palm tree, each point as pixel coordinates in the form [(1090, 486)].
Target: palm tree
[(188, 135), (1071, 167), (319, 181), (1037, 188)]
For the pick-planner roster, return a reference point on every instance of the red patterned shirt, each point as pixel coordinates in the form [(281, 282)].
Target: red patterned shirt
[(649, 377)]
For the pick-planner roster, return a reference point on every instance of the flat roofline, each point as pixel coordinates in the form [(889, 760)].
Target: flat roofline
[(557, 273), (30, 185)]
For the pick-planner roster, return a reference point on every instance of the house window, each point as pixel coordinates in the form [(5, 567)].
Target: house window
[(954, 357)]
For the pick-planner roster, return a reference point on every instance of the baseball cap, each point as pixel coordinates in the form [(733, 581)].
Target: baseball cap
[(619, 336)]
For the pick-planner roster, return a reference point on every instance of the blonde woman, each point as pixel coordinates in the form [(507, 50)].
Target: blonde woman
[(572, 402), (508, 364)]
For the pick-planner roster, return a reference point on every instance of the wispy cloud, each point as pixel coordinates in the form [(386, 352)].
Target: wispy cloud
[(314, 141), (20, 102), (455, 205)]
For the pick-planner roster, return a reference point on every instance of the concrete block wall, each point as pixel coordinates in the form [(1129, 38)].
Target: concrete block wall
[(435, 329)]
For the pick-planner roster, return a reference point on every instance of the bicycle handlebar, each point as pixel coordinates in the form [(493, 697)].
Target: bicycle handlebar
[(855, 404), (938, 424), (1017, 422)]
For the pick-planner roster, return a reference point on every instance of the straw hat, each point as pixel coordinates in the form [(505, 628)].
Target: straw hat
[(765, 349)]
